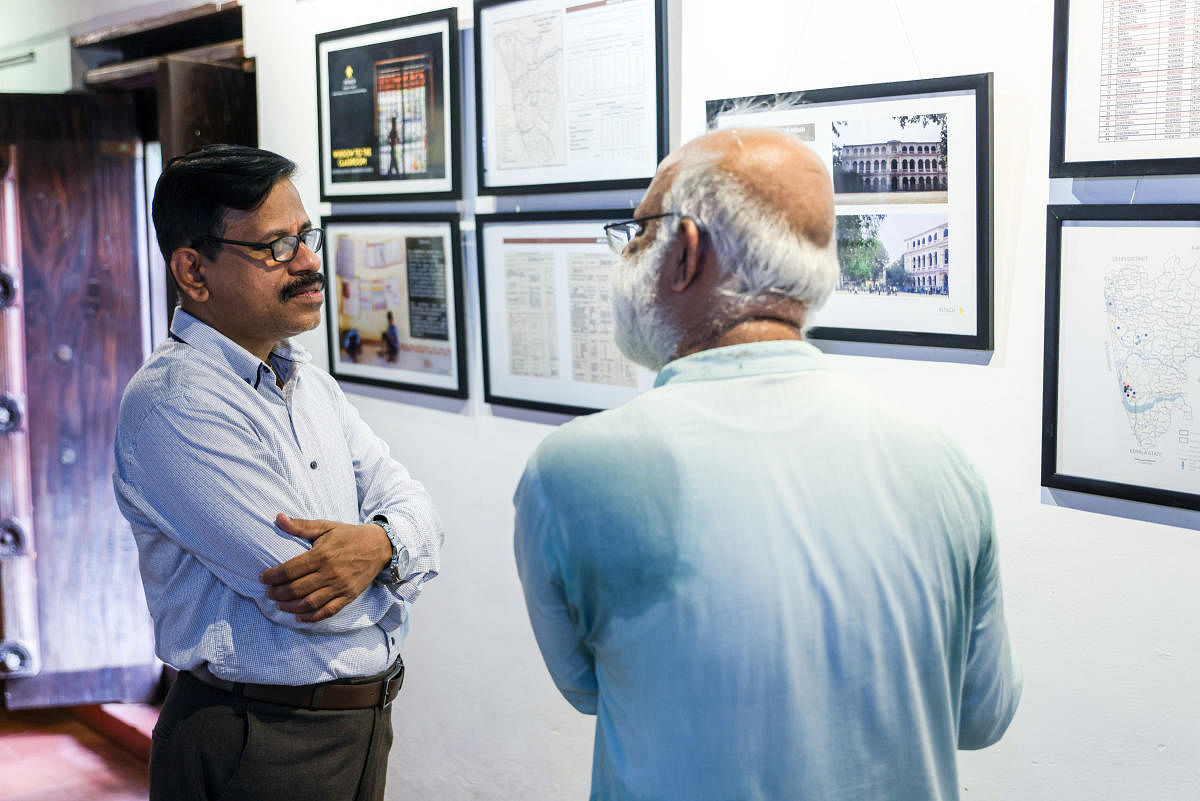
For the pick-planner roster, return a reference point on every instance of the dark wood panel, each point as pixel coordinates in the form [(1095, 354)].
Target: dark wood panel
[(82, 343), (204, 104)]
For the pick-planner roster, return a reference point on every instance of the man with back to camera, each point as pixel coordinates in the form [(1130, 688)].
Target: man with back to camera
[(280, 545), (765, 581)]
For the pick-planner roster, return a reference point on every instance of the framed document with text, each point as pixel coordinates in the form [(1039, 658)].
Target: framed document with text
[(1121, 393), (1125, 97), (545, 298), (388, 99), (394, 301), (570, 95), (911, 164)]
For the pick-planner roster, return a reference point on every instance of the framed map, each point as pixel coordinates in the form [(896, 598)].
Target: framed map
[(1125, 92), (569, 94), (395, 300), (545, 298), (911, 164), (388, 99), (1121, 392)]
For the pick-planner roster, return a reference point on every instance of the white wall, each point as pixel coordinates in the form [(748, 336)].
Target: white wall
[(1102, 608), (45, 28)]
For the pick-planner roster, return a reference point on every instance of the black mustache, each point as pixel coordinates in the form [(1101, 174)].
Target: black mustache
[(305, 282)]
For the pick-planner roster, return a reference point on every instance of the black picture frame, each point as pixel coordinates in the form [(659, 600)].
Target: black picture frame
[(483, 110), (778, 108), (387, 369), (1080, 426), (417, 59), (494, 321), (1067, 106)]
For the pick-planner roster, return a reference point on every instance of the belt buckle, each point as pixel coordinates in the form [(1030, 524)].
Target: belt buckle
[(386, 697)]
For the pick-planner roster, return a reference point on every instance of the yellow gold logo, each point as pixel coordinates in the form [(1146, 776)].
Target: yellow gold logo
[(349, 72)]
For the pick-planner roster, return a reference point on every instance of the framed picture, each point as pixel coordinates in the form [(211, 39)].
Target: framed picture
[(394, 301), (1121, 393), (1125, 90), (388, 96), (911, 164), (545, 296), (570, 94)]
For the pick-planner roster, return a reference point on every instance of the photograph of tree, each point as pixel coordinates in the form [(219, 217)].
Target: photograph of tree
[(894, 254)]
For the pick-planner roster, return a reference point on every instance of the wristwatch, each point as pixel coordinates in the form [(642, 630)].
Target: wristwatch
[(397, 569)]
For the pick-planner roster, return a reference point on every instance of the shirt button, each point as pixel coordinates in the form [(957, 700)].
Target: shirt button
[(393, 639), (313, 464)]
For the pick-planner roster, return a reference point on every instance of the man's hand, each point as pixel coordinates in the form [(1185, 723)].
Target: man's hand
[(320, 582)]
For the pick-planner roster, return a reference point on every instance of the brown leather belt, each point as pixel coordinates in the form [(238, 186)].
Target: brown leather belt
[(329, 695)]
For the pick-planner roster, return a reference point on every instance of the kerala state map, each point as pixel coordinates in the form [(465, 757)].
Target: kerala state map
[(1154, 335), (530, 106)]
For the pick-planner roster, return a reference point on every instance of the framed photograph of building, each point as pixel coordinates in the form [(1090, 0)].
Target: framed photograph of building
[(1121, 392), (1125, 92), (394, 301), (388, 99), (545, 298), (570, 95), (911, 164)]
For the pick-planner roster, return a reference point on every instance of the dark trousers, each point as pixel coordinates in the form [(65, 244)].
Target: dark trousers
[(212, 746)]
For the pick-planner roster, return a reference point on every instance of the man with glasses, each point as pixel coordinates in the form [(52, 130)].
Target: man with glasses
[(280, 545), (766, 581)]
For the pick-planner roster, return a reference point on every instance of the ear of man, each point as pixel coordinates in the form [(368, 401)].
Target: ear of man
[(687, 259), (188, 269)]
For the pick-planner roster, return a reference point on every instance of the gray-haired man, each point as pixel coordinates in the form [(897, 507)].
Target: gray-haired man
[(764, 580)]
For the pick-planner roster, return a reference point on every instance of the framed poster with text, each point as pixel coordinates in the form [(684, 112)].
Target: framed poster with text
[(1125, 96), (388, 99), (570, 95), (911, 164), (545, 298), (394, 301), (1121, 392)]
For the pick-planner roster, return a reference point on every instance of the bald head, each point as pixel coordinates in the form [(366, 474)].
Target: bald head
[(774, 168)]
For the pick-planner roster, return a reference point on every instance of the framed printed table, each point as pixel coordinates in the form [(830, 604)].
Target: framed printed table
[(569, 94), (545, 296), (388, 96), (395, 301), (1121, 393), (1125, 97), (912, 175)]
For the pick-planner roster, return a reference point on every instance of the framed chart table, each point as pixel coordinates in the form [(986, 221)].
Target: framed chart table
[(1126, 88), (1122, 368), (545, 295), (569, 94)]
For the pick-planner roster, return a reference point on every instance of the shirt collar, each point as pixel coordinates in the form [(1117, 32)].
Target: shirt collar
[(287, 355), (736, 361)]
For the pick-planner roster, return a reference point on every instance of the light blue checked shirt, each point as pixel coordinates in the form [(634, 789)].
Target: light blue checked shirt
[(208, 450), (768, 584)]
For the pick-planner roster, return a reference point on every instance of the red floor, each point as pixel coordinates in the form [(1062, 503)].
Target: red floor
[(48, 755)]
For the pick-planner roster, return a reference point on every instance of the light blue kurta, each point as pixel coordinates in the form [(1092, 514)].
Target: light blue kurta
[(769, 583)]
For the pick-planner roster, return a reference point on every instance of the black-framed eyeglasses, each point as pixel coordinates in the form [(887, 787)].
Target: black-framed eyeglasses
[(284, 248), (620, 233)]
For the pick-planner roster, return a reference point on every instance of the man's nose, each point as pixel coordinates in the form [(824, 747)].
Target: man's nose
[(305, 260)]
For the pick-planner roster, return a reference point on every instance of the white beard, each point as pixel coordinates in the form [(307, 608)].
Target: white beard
[(647, 333)]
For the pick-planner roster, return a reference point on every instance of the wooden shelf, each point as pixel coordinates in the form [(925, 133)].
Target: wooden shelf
[(143, 71)]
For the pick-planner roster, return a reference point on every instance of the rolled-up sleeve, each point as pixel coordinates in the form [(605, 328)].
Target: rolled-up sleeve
[(386, 488)]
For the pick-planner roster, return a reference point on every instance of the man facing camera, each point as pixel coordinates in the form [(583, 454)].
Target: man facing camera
[(763, 579), (280, 545)]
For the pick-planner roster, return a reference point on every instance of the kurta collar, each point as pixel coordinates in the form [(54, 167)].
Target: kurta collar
[(735, 361)]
